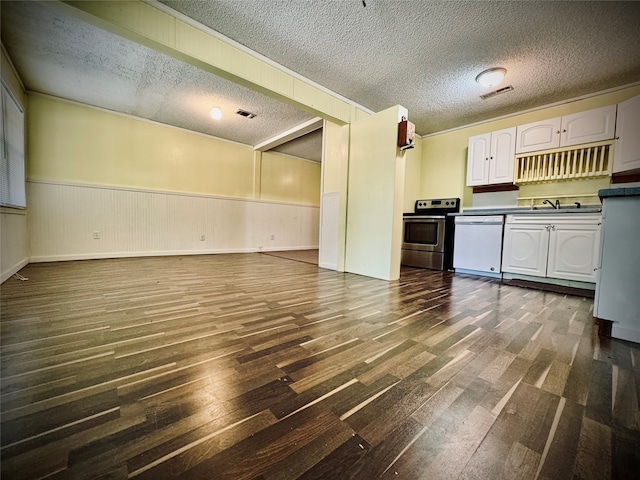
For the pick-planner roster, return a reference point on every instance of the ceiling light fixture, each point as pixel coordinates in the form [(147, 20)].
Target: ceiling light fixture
[(491, 77), (216, 113)]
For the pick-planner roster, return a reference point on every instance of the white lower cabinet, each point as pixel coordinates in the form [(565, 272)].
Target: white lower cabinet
[(563, 246), (525, 248)]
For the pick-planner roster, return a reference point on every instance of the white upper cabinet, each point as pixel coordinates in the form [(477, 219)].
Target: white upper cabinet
[(583, 127), (501, 159), (490, 158), (626, 154), (590, 126), (538, 135), (478, 159)]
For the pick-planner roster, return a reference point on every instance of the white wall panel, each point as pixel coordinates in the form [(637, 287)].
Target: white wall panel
[(63, 219), (14, 242), (329, 238)]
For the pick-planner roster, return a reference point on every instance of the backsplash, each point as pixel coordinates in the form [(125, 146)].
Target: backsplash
[(567, 192), (495, 199)]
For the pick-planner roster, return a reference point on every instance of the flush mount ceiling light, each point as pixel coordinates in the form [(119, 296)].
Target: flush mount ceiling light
[(216, 113), (491, 77)]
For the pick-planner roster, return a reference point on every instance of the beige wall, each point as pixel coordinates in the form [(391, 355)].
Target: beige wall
[(14, 241), (413, 175), (289, 179), (79, 144), (444, 155), (74, 143), (335, 157)]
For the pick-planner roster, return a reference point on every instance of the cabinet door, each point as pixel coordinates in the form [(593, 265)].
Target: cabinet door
[(626, 154), (590, 126), (478, 160), (525, 249), (502, 158), (538, 135), (574, 251)]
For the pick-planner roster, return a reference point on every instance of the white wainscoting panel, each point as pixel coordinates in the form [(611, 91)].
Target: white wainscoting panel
[(63, 219), (14, 241)]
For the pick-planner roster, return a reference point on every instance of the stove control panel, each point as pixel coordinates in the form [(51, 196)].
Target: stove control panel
[(438, 204)]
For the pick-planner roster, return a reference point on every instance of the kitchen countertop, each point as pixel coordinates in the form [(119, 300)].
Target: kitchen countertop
[(529, 211), (619, 192)]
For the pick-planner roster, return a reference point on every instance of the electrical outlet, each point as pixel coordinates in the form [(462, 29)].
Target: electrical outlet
[(96, 235), (273, 237), (202, 237)]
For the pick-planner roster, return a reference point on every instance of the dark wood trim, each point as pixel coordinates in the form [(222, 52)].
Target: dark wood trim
[(502, 187), (625, 177)]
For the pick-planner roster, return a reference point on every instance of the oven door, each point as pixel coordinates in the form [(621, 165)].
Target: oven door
[(424, 233)]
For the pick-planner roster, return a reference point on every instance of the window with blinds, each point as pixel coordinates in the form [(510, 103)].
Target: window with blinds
[(12, 169)]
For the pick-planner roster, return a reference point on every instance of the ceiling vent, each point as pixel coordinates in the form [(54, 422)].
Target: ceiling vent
[(244, 113), (508, 88)]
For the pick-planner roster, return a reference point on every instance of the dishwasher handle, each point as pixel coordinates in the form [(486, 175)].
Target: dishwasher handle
[(480, 223), (478, 220)]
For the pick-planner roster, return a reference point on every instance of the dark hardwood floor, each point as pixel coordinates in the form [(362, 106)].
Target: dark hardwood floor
[(257, 367)]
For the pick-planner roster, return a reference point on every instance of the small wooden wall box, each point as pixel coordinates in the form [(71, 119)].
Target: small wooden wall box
[(406, 132)]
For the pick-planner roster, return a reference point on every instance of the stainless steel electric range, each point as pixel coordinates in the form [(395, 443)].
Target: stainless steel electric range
[(428, 234)]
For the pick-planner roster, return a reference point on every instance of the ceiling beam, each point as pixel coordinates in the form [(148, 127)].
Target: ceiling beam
[(164, 31), (291, 134)]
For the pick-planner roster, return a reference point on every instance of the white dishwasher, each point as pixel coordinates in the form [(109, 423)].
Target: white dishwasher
[(478, 244)]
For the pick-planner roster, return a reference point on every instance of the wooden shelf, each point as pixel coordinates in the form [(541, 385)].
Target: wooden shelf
[(585, 161)]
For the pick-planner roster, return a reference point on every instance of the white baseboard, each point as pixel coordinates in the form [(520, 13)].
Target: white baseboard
[(168, 253), (286, 249), (329, 266), (6, 274)]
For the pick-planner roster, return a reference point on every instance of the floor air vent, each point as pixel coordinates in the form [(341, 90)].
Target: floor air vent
[(244, 113), (508, 88)]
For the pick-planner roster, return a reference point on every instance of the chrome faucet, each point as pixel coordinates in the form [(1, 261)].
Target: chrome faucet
[(556, 206)]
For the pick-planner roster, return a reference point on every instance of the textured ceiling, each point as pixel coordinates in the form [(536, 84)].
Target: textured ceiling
[(59, 55), (422, 55), (425, 55)]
